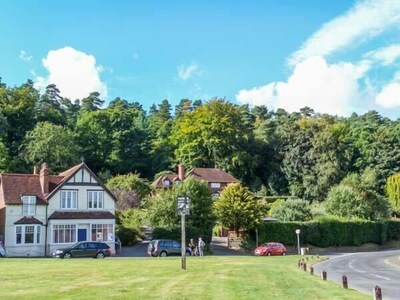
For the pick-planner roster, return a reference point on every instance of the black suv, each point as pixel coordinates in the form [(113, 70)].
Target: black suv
[(165, 248), (84, 249)]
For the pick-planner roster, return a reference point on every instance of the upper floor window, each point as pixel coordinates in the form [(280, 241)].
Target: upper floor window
[(28, 205), (166, 183), (69, 199), (96, 199), (215, 185)]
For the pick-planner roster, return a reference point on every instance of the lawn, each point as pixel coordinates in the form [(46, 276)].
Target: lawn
[(209, 277)]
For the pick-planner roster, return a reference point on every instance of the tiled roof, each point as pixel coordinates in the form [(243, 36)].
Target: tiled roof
[(13, 186), (82, 215), (28, 220), (211, 175), (159, 181)]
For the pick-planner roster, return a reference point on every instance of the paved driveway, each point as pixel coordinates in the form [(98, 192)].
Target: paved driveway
[(366, 270)]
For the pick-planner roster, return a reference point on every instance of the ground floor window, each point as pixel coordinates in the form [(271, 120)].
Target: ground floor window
[(63, 234), (27, 234), (102, 232)]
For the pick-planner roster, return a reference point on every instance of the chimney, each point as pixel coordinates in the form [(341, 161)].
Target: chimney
[(35, 170), (181, 172), (44, 179)]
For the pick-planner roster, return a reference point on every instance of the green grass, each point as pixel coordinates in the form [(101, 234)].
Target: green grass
[(209, 277)]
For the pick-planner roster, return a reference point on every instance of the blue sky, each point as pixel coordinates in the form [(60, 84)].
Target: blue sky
[(334, 56)]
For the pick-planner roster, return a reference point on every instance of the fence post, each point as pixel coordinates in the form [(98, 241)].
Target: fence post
[(305, 267), (324, 275), (311, 270), (377, 293), (344, 282)]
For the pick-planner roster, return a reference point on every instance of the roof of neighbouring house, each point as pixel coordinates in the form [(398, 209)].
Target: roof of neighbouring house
[(206, 174), (211, 175), (28, 220)]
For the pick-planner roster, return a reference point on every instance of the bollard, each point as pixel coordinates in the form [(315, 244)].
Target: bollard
[(299, 264), (377, 293), (324, 275), (305, 267), (344, 282), (311, 270)]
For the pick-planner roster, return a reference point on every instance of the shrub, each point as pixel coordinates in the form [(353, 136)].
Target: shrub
[(291, 210)]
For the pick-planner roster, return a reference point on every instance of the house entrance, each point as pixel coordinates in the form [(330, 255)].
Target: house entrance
[(82, 235)]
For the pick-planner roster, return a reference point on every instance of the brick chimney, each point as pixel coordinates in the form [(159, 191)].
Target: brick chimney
[(44, 179), (181, 172)]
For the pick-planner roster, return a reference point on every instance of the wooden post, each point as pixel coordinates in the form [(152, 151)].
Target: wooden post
[(377, 293), (344, 282), (324, 275), (311, 270), (299, 263), (305, 267), (183, 242)]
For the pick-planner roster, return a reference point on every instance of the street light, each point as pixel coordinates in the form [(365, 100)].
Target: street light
[(298, 241)]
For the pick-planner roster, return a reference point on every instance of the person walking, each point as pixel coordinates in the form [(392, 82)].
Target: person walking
[(201, 246)]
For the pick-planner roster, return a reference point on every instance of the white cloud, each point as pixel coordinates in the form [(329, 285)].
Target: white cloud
[(185, 73), (74, 72), (25, 56), (327, 88), (386, 55), (365, 20), (389, 96)]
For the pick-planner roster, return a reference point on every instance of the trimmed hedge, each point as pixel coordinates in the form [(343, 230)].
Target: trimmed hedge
[(331, 232)]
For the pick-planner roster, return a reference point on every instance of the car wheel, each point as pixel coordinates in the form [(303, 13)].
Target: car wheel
[(67, 255), (163, 254), (283, 253), (269, 253), (188, 253), (100, 255)]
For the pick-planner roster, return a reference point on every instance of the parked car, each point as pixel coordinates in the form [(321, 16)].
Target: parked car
[(2, 250), (271, 248), (165, 248), (84, 249)]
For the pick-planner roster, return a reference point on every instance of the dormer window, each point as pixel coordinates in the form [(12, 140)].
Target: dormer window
[(166, 183), (28, 205), (177, 182)]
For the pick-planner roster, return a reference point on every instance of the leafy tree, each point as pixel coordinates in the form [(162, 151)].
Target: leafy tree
[(393, 191), (52, 144), (92, 102), (129, 189), (162, 207), (237, 208), (355, 197), (292, 210)]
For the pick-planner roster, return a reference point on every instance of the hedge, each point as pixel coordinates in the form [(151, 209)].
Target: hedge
[(331, 232)]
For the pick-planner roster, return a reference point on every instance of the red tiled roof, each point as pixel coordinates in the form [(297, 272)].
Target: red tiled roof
[(159, 181), (211, 175), (13, 186), (28, 220), (82, 215)]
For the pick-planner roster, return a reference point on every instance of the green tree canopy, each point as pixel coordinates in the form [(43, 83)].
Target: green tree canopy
[(291, 210), (238, 208), (393, 192)]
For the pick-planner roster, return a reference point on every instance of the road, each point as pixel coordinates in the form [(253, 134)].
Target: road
[(366, 270)]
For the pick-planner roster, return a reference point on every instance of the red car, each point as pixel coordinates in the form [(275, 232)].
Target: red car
[(270, 249)]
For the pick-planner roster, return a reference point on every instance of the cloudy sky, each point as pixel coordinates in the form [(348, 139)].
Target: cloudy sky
[(337, 57)]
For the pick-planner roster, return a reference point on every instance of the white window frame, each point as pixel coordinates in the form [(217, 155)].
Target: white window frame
[(102, 232), (66, 233), (28, 205), (24, 230), (69, 199), (166, 183), (215, 185), (95, 199)]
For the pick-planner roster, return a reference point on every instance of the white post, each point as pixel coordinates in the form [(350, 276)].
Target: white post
[(298, 241), (183, 242)]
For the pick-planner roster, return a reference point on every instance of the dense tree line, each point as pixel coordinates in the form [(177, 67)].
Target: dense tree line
[(273, 152)]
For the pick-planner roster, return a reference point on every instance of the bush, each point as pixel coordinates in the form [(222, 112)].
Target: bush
[(128, 236), (291, 210)]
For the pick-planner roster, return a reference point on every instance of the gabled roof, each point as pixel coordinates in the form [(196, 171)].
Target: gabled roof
[(211, 175), (159, 181), (13, 186), (28, 220)]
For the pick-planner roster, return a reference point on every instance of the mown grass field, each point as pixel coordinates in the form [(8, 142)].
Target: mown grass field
[(212, 277)]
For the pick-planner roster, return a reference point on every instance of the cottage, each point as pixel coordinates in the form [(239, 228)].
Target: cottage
[(215, 178), (41, 212)]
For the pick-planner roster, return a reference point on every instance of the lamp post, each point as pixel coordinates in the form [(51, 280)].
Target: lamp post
[(298, 241)]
